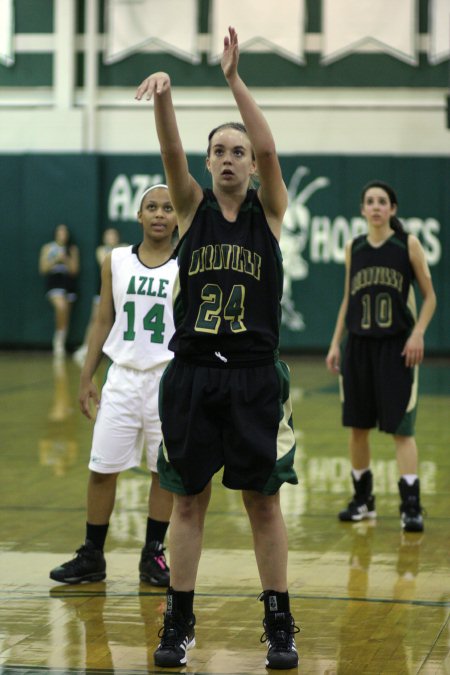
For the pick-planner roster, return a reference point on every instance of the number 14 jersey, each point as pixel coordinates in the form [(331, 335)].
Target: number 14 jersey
[(143, 303)]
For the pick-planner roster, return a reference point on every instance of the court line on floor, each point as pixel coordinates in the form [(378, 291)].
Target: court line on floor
[(213, 512), (63, 595), (438, 637), (33, 670)]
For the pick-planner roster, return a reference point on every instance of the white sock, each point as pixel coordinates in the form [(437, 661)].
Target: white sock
[(410, 478), (59, 339), (357, 473), (60, 336)]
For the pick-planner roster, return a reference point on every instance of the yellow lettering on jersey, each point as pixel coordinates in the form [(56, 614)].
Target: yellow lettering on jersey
[(195, 262), (376, 276), (225, 257)]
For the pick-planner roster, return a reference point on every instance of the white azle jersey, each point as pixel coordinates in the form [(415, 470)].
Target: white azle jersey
[(143, 302)]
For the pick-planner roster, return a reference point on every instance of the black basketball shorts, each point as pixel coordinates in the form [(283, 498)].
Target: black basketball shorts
[(377, 389), (236, 418)]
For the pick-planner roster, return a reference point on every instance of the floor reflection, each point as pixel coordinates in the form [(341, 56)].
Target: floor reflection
[(368, 599), (58, 447)]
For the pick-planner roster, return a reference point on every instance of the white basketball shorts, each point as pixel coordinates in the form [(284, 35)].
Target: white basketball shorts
[(127, 420)]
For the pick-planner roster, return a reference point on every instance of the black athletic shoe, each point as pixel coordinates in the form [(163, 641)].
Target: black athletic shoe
[(362, 504), (410, 509), (88, 565), (279, 631), (177, 636), (153, 567), (357, 510)]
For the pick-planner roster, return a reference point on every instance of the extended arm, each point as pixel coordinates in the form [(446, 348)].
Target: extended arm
[(185, 193), (272, 191)]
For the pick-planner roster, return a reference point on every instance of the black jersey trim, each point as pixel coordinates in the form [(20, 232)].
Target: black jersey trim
[(135, 250), (398, 242)]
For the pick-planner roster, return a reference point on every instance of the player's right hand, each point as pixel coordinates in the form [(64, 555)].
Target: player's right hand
[(157, 83), (87, 395)]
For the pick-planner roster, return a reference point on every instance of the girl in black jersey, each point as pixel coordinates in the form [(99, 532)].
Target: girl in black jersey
[(225, 397), (383, 347)]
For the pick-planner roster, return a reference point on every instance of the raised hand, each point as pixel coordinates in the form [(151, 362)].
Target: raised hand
[(230, 56), (154, 84)]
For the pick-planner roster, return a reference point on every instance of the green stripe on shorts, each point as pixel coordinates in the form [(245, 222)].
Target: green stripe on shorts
[(169, 478), (283, 471)]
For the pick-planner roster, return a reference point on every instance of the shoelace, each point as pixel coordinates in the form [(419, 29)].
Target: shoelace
[(279, 637), (172, 630), (82, 552), (413, 508)]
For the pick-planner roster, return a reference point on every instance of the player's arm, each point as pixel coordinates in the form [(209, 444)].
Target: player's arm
[(100, 255), (272, 191), (102, 327), (45, 265), (414, 346), (73, 260), (185, 193), (334, 354)]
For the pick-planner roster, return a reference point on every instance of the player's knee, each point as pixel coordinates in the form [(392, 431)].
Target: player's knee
[(103, 478), (189, 508), (259, 505)]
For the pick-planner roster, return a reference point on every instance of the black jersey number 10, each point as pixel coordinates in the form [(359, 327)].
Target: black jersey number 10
[(382, 313)]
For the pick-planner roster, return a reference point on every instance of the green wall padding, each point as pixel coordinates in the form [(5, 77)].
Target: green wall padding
[(92, 192)]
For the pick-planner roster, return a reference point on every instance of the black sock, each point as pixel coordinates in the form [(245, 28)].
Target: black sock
[(180, 601), (156, 530), (97, 534), (274, 602)]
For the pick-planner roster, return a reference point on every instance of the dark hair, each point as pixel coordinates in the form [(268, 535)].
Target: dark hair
[(69, 243), (227, 125), (394, 222)]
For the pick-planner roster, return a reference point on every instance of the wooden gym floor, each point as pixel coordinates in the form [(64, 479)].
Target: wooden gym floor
[(368, 598)]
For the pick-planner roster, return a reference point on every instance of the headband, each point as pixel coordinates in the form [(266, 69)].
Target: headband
[(152, 187)]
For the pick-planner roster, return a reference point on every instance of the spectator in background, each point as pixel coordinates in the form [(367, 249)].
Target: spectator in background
[(59, 262)]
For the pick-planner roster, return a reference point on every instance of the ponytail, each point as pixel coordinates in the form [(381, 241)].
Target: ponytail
[(396, 224)]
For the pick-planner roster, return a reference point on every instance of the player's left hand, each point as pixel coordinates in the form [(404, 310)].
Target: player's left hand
[(413, 350), (230, 56)]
